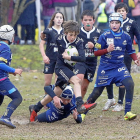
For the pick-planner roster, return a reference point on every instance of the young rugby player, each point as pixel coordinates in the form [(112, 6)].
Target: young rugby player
[(111, 46), (64, 68), (131, 27), (6, 87)]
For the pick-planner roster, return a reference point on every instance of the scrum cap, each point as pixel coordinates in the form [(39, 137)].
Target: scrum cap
[(116, 16), (67, 93), (7, 32)]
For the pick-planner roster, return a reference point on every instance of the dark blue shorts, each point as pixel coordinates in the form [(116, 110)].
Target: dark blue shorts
[(51, 115), (6, 87), (49, 68), (87, 70), (109, 76)]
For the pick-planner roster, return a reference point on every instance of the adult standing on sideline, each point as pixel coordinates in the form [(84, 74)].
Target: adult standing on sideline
[(27, 22), (136, 12), (47, 12), (102, 17)]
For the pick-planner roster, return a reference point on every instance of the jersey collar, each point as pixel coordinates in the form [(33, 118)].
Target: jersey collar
[(4, 43), (87, 32), (117, 34), (125, 21)]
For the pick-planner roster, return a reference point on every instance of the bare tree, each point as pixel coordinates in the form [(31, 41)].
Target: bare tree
[(78, 11), (4, 11), (19, 7)]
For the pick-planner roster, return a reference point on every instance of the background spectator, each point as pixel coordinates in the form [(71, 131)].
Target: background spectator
[(102, 17), (136, 12), (27, 21), (88, 5), (47, 12), (64, 6)]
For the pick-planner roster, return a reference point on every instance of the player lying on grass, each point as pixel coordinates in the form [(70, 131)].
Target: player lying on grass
[(54, 114)]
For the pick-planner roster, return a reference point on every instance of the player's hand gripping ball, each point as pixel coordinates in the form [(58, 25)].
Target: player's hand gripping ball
[(72, 51)]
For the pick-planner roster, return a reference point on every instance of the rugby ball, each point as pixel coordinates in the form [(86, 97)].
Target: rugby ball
[(72, 51)]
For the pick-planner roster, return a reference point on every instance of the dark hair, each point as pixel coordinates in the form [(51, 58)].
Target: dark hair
[(87, 13), (71, 26), (121, 5), (53, 16)]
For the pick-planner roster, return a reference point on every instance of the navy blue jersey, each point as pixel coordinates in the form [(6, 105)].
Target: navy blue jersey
[(63, 44), (131, 27), (5, 57), (122, 42), (61, 113), (89, 36), (51, 49)]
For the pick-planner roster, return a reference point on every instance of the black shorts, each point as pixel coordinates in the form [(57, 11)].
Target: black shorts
[(64, 74), (127, 61), (87, 70), (49, 68)]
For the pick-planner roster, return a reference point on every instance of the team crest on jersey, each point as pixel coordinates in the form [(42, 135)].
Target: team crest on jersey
[(128, 28), (95, 39), (124, 42), (110, 41), (60, 37)]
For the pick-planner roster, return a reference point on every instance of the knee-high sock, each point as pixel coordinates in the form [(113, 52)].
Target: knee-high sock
[(109, 89), (121, 95), (129, 86), (16, 100)]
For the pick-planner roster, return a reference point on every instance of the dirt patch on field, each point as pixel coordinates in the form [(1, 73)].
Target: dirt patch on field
[(94, 127)]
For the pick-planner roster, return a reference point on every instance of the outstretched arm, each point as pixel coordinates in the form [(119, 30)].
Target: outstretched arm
[(77, 116)]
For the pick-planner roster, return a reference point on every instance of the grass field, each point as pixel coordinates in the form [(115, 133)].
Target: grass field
[(98, 125)]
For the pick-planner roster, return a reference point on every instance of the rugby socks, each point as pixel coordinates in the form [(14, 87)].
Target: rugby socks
[(109, 89), (121, 95), (38, 107), (16, 100), (79, 101), (128, 103)]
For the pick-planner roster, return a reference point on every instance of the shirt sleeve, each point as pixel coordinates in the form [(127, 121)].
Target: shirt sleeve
[(81, 57), (136, 32), (101, 43), (129, 47)]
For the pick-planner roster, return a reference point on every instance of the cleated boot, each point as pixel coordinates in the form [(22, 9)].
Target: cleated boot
[(118, 107), (7, 122), (130, 116), (33, 114), (108, 104)]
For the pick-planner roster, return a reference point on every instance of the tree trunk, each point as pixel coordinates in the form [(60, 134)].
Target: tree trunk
[(4, 11), (78, 11), (19, 8)]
